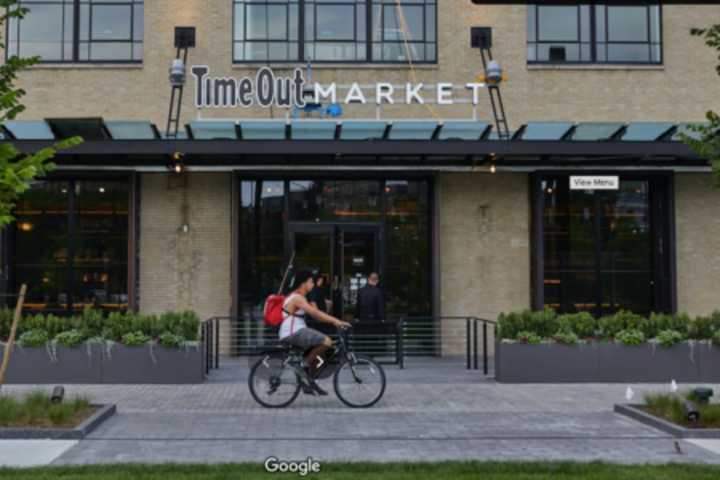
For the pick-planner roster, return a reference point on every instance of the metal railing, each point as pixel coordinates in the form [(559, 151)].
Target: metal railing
[(391, 341)]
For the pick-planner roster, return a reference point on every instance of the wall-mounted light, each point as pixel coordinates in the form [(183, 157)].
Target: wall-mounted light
[(177, 165), (25, 226), (177, 73)]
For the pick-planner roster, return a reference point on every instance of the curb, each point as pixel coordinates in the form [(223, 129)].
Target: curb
[(634, 412), (79, 432)]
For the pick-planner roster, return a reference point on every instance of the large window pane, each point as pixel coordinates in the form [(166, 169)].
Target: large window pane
[(70, 245), (621, 34), (337, 200), (598, 246), (627, 24), (558, 23), (107, 30)]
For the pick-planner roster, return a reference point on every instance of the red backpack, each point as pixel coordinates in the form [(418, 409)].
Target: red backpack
[(274, 304), (273, 311)]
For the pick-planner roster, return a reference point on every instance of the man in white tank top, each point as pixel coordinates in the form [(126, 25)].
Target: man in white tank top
[(295, 331)]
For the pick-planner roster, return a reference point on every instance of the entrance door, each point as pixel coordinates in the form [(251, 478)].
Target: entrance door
[(344, 255)]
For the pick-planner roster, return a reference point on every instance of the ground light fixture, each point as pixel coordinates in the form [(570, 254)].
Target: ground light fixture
[(58, 394)]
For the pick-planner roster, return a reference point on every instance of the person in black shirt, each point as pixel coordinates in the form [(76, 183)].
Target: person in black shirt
[(370, 300), (319, 295)]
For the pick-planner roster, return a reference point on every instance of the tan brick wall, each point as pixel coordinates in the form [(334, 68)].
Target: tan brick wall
[(191, 270), (680, 90), (697, 203), (484, 240)]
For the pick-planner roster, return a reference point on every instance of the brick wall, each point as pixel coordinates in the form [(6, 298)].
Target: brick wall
[(484, 240), (680, 90), (697, 203), (190, 270)]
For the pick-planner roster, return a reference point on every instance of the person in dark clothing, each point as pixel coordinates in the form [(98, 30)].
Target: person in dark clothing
[(319, 296), (370, 300)]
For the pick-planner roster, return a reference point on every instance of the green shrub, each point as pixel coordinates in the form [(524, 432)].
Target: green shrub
[(542, 323), (566, 338), (170, 340), (716, 339), (33, 338), (6, 318), (657, 322), (92, 322), (612, 325), (134, 339), (70, 338), (700, 328), (582, 324), (630, 337), (528, 337), (668, 338)]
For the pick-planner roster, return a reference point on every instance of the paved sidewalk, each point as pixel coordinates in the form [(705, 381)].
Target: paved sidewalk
[(433, 410)]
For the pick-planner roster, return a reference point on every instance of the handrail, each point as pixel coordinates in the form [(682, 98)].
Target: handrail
[(411, 337)]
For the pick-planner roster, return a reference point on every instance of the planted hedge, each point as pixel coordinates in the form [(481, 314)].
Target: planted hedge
[(624, 327), (170, 329)]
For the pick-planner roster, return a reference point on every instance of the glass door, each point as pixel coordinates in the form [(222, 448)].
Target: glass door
[(344, 255)]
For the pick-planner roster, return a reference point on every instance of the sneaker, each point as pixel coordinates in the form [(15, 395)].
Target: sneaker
[(307, 390)]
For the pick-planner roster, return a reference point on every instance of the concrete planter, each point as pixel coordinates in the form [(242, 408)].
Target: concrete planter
[(709, 361), (635, 412), (98, 363), (545, 363), (102, 413), (156, 364), (605, 362), (648, 363), (81, 364)]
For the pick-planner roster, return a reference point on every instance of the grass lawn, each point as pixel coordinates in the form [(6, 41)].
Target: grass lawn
[(417, 471)]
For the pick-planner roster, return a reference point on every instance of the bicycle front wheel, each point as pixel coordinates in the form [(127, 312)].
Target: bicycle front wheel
[(359, 383), (272, 383)]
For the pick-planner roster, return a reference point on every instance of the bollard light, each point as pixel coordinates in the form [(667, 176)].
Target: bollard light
[(702, 395), (58, 393), (177, 73)]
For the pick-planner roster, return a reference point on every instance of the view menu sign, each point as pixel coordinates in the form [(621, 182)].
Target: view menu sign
[(594, 182)]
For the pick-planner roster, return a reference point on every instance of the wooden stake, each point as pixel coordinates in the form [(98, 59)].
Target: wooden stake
[(13, 331)]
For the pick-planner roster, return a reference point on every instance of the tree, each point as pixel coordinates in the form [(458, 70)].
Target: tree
[(18, 171), (708, 145)]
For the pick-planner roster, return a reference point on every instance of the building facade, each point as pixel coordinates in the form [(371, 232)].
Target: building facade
[(458, 230)]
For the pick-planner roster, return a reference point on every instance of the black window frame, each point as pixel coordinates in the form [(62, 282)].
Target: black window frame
[(594, 41), (77, 6), (369, 34), (662, 210), (8, 240)]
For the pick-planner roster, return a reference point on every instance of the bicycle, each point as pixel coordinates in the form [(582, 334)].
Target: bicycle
[(278, 376)]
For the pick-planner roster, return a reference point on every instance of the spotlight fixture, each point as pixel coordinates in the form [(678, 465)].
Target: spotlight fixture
[(177, 164), (493, 168)]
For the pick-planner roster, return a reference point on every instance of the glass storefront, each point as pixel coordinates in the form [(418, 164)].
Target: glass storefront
[(70, 245), (343, 230), (606, 250)]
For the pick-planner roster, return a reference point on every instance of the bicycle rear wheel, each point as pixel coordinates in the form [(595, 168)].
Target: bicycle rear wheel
[(273, 384), (359, 384)]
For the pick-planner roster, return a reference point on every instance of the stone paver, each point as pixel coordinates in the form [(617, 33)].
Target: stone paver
[(431, 411)]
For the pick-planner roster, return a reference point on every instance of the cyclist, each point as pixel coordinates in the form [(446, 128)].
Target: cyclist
[(294, 331)]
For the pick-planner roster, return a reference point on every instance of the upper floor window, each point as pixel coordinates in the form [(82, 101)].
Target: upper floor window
[(78, 31), (335, 31), (595, 32)]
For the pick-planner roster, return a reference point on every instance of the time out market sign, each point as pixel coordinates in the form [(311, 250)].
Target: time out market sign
[(266, 89)]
